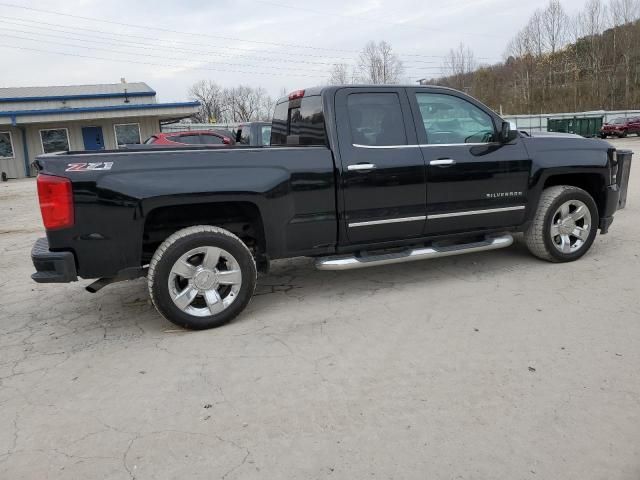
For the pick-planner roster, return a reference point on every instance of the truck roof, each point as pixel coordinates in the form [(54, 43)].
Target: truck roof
[(319, 90)]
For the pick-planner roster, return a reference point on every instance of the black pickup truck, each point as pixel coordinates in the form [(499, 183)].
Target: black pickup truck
[(355, 176)]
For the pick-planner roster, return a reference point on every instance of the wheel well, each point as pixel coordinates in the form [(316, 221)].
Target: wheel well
[(592, 183), (240, 218)]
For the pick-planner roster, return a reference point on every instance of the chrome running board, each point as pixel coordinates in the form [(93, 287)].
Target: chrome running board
[(349, 262)]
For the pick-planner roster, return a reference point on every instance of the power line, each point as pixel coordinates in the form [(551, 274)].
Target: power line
[(129, 44), (154, 39), (132, 62), (160, 29), (146, 54), (164, 57), (235, 39), (368, 18), (139, 45)]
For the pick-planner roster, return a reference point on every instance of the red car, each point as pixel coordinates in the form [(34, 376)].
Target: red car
[(620, 127), (194, 137)]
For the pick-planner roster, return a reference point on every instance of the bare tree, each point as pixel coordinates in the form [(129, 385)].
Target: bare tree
[(458, 64), (229, 105), (590, 61), (244, 104), (210, 96), (554, 25), (593, 21), (340, 75), (623, 13), (378, 64), (535, 33)]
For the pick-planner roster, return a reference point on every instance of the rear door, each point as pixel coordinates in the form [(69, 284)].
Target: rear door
[(473, 181), (383, 172)]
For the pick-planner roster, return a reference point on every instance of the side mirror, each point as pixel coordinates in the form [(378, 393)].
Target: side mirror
[(508, 132)]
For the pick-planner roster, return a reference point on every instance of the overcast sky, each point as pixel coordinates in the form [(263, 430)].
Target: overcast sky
[(279, 44)]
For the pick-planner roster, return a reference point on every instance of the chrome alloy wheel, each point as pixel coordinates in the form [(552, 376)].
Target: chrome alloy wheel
[(205, 281), (570, 226)]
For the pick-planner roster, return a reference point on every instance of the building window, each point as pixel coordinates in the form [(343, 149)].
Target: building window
[(127, 133), (54, 140), (6, 145)]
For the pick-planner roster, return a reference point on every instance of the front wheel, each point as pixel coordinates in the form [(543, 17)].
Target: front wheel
[(565, 224), (201, 277)]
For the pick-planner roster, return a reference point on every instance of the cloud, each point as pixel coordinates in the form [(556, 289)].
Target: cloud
[(253, 42)]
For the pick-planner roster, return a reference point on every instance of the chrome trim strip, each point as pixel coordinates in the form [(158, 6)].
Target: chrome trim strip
[(349, 262), (475, 212), (423, 145), (390, 220)]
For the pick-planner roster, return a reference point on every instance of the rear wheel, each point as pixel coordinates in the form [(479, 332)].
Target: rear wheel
[(201, 277), (564, 226)]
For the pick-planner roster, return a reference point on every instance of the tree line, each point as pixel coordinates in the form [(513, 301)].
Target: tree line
[(559, 62), (230, 105), (556, 63), (377, 64)]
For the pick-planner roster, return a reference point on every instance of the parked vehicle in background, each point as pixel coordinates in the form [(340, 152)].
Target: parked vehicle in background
[(355, 176), (256, 134), (620, 127), (194, 137)]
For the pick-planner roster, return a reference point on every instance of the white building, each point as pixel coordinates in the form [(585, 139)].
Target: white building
[(35, 120)]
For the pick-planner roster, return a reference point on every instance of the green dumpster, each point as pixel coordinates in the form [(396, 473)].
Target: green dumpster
[(585, 126)]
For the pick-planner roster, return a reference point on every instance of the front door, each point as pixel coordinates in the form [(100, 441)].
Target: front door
[(92, 138), (473, 181), (383, 172)]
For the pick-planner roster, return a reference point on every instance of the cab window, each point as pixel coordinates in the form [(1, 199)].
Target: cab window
[(450, 120), (299, 122), (375, 119)]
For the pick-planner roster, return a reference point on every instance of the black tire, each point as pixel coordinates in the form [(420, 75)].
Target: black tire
[(538, 237), (623, 135), (602, 135), (178, 245)]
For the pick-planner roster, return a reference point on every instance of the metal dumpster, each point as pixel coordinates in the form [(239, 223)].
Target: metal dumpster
[(585, 126), (624, 170)]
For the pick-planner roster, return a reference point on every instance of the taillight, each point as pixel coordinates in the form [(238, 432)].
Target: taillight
[(296, 94), (56, 201)]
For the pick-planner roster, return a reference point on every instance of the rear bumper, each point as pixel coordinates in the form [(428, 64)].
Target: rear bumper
[(612, 197), (52, 267)]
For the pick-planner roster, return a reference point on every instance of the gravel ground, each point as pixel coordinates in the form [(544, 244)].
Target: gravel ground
[(485, 366)]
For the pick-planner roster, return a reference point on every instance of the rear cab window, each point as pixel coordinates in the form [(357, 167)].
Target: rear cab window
[(376, 119), (299, 121)]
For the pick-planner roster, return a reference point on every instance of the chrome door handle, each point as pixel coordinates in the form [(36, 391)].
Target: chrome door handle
[(442, 162), (361, 166)]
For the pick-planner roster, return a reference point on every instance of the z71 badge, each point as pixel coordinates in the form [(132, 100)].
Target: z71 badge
[(85, 167)]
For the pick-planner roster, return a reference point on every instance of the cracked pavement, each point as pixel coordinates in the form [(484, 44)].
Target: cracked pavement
[(490, 365)]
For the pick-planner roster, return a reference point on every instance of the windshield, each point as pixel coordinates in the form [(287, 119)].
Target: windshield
[(617, 121)]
